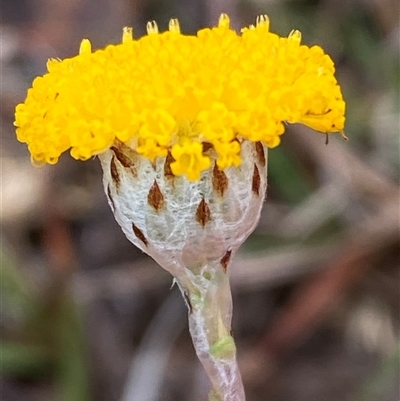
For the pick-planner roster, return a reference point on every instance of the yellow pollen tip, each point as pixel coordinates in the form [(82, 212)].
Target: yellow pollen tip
[(152, 28), (85, 47), (174, 25), (223, 21), (263, 20), (295, 35), (127, 34)]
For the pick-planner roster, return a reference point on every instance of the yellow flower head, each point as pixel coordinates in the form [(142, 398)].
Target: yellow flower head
[(171, 93)]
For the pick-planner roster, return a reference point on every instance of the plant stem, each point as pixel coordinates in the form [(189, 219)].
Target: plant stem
[(209, 300)]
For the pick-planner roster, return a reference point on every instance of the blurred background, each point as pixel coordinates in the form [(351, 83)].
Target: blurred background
[(87, 317)]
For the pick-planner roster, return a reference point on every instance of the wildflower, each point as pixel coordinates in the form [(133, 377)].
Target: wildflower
[(181, 125), (168, 92)]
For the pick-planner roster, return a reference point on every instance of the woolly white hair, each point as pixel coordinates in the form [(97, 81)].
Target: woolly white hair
[(172, 218)]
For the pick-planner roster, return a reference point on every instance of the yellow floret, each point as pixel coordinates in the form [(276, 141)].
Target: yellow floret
[(228, 154), (189, 160), (169, 92)]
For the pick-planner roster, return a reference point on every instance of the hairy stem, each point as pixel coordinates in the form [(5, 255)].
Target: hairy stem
[(209, 300)]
